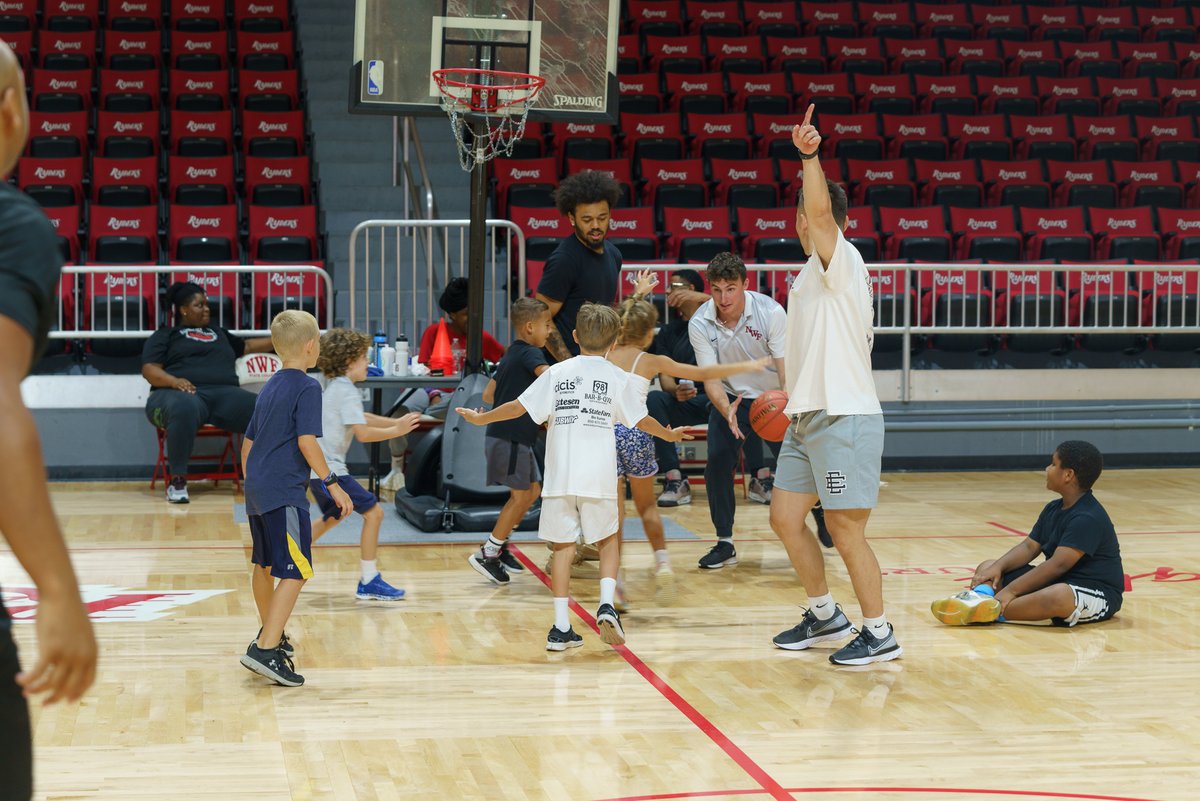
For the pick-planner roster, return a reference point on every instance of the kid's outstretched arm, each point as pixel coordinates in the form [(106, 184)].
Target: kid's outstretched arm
[(657, 429), (508, 411)]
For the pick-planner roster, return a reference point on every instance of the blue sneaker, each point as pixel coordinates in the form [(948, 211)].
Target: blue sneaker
[(378, 590)]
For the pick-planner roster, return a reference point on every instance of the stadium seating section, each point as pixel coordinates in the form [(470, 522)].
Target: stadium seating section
[(168, 132), (1024, 132)]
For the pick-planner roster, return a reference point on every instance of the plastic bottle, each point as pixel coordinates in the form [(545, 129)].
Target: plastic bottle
[(388, 359), (402, 356), (379, 343)]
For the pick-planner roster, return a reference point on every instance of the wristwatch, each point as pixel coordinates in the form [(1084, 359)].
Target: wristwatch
[(330, 479)]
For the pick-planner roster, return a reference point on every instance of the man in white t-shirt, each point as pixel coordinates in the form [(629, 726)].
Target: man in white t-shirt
[(834, 446), (581, 399), (735, 326)]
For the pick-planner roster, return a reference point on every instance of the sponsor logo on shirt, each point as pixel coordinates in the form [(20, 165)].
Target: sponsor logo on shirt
[(200, 334)]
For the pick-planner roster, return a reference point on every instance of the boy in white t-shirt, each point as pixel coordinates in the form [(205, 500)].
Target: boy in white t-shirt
[(343, 360), (582, 399)]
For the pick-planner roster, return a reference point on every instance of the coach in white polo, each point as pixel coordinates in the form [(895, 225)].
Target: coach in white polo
[(734, 326), (834, 447)]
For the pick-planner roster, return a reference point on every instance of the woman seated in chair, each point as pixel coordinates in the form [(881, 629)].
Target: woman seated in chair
[(191, 369)]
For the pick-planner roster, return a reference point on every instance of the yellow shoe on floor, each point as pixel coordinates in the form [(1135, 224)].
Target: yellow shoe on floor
[(966, 607)]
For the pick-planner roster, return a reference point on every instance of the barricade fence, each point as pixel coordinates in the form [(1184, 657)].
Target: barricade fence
[(107, 301)]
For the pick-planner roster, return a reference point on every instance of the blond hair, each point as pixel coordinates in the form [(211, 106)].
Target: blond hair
[(291, 330), (340, 347), (597, 326), (638, 318)]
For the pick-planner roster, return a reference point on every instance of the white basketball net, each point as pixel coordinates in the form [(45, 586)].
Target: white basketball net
[(501, 129)]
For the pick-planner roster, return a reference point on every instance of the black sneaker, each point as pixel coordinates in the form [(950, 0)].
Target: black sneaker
[(811, 631), (511, 563), (722, 554), (818, 513), (558, 640), (488, 567), (274, 665), (285, 644), (867, 648), (609, 622)]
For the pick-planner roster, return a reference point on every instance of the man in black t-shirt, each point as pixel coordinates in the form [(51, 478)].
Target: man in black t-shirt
[(1081, 580), (30, 265), (585, 267), (509, 444)]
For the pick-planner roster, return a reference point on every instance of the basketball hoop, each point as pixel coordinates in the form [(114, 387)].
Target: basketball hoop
[(501, 100)]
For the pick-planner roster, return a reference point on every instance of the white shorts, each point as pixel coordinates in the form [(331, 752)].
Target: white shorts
[(564, 518)]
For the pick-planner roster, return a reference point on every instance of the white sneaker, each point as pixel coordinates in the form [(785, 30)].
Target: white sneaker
[(177, 491), (664, 585)]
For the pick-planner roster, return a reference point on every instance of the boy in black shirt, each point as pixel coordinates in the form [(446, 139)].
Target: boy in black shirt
[(509, 444), (1081, 579)]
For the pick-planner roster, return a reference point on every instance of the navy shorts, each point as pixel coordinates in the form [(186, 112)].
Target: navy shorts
[(511, 464), (16, 757), (283, 542), (363, 500)]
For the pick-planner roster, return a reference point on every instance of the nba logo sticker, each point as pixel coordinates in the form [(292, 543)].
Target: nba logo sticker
[(375, 77)]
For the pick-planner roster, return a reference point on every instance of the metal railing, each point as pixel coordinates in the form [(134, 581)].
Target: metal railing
[(108, 301), (391, 276), (407, 151)]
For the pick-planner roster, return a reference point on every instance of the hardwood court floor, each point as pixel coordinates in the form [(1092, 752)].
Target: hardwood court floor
[(450, 694)]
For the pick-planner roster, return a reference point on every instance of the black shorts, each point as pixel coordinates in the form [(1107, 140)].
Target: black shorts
[(1094, 602), (16, 741), (282, 540), (363, 500), (511, 464)]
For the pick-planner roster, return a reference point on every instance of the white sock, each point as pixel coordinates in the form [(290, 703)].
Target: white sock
[(763, 473), (878, 626), (368, 570), (674, 475), (661, 558), (608, 588), (561, 622), (822, 606), (491, 547)]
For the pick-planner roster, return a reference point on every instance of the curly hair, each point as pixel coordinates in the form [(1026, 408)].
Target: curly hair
[(454, 296), (582, 188), (1082, 457), (340, 347), (726, 267), (180, 293), (638, 318)]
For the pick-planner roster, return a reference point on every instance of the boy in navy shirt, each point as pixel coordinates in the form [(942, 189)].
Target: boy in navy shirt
[(509, 443), (278, 451), (1081, 580)]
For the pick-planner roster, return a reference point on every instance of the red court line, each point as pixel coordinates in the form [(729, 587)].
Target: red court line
[(1009, 529), (940, 790), (756, 772)]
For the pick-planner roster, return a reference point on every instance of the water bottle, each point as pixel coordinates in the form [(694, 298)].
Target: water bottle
[(388, 359), (402, 356), (379, 343)]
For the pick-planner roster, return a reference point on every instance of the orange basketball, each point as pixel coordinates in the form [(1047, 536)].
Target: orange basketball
[(767, 417)]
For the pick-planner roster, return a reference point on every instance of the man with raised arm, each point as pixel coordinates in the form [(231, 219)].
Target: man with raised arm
[(834, 446)]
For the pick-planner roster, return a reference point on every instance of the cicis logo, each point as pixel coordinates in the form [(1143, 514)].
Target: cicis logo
[(107, 603), (205, 335)]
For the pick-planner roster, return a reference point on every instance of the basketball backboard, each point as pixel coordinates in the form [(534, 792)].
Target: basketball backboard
[(570, 43)]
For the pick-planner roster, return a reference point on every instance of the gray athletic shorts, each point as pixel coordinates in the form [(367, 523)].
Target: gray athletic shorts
[(838, 458), (511, 463)]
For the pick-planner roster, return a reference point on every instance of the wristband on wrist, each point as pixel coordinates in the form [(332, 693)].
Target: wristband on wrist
[(807, 156), (330, 479)]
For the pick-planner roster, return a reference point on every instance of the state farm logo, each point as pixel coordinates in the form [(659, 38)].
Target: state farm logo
[(743, 175), (688, 86), (261, 85), (877, 175), (118, 174), (579, 127), (1096, 130), (538, 223), (1117, 223), (697, 225), (192, 85), (122, 281), (518, 175), (259, 46), (1071, 175), (275, 223), (41, 173), (946, 175), (272, 127), (980, 225), (770, 225), (107, 603), (123, 84), (712, 127), (977, 129), (668, 175), (909, 130), (844, 128), (116, 224), (907, 225), (270, 173), (644, 128), (203, 222), (207, 127), (1009, 175), (882, 90), (201, 172), (1046, 224), (283, 279), (53, 127)]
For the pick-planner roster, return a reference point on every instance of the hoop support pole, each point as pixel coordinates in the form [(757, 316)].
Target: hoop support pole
[(475, 253)]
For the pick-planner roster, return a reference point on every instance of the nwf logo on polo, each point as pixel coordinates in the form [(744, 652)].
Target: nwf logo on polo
[(600, 387)]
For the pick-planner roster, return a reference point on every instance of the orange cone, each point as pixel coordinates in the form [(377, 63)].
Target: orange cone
[(442, 358)]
